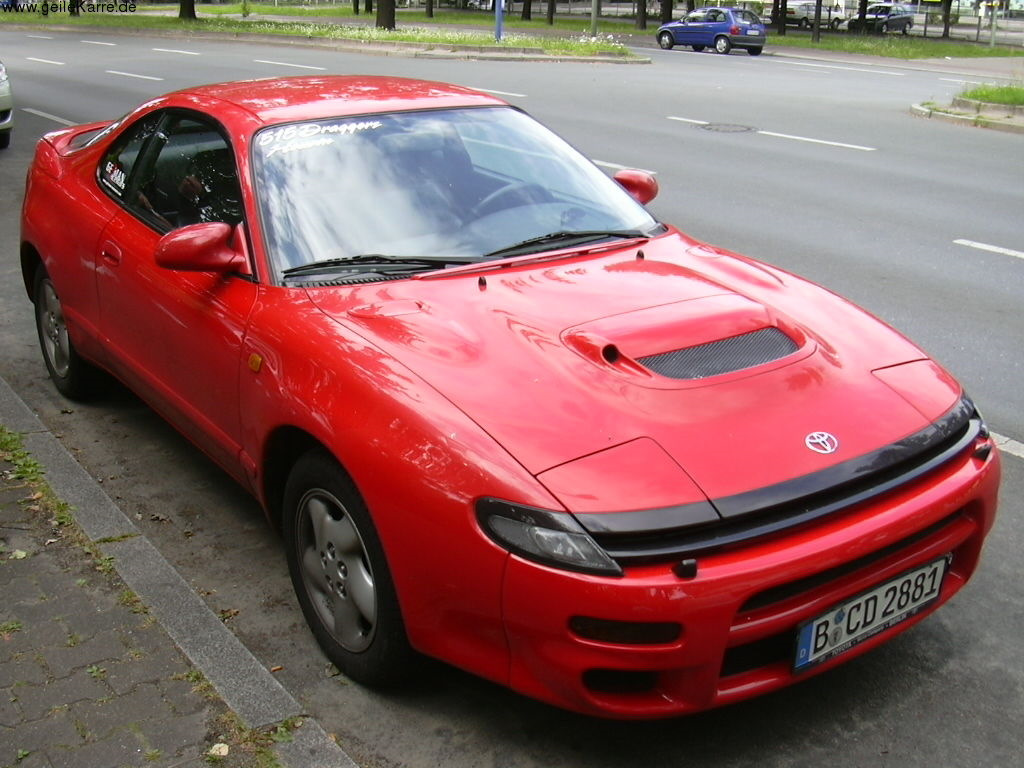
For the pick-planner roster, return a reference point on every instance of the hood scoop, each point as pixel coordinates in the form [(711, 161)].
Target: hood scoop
[(689, 340), (724, 356)]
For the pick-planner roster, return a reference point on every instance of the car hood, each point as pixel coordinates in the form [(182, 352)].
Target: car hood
[(685, 370)]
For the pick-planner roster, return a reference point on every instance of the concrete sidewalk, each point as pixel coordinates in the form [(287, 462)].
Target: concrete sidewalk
[(108, 658)]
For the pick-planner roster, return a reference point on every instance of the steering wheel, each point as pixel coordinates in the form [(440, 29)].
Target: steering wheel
[(526, 191)]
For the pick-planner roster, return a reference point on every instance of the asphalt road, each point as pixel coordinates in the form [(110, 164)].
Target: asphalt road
[(813, 166)]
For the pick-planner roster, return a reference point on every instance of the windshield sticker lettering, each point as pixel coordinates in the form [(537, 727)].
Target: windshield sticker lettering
[(297, 137)]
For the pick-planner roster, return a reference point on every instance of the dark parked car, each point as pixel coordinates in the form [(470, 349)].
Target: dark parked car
[(884, 17), (721, 28)]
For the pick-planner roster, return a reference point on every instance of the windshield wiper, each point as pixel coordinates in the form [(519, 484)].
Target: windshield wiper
[(378, 260), (564, 238)]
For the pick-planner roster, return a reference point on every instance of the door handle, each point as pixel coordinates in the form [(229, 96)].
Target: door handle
[(110, 253)]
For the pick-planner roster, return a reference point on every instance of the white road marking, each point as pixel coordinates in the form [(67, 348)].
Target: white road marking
[(131, 74), (175, 50), (48, 116), (96, 42), (498, 93), (617, 167), (817, 141), (1007, 445), (45, 61), (40, 37), (991, 248), (961, 82), (847, 69), (782, 135), (287, 64)]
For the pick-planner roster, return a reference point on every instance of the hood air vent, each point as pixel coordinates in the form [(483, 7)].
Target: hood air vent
[(724, 356)]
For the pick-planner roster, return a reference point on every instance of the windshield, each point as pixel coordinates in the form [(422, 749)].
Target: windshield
[(460, 183)]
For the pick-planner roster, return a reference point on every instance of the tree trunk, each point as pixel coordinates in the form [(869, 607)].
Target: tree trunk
[(430, 9), (368, 7), (187, 10), (780, 20), (947, 6), (862, 10), (666, 11), (355, 7), (527, 10), (551, 12), (385, 14), (641, 14)]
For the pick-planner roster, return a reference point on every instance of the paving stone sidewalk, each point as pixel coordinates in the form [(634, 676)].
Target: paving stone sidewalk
[(87, 678)]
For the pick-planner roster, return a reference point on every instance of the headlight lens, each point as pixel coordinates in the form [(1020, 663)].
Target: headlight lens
[(3, 72), (551, 538)]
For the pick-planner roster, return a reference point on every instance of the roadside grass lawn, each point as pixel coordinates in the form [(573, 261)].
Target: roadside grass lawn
[(1012, 95), (560, 45)]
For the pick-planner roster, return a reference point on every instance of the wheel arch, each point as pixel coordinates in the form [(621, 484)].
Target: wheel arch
[(282, 449), (31, 260)]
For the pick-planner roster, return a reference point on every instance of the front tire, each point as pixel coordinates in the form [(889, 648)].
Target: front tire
[(340, 573), (722, 44), (666, 41), (697, 48), (885, 28), (5, 138), (71, 375)]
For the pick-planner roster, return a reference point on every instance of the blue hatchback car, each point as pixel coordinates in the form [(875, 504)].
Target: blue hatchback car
[(720, 28)]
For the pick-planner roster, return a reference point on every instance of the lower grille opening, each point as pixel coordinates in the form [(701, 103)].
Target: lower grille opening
[(619, 681), (625, 632), (769, 650)]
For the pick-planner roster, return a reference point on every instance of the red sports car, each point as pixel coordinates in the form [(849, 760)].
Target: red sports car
[(502, 415)]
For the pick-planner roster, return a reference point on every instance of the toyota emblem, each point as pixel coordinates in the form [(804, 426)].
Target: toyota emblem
[(821, 442)]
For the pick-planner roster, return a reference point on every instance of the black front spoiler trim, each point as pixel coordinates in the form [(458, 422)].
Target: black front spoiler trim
[(643, 536)]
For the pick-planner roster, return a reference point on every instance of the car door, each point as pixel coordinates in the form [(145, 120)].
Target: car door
[(174, 336), (692, 29)]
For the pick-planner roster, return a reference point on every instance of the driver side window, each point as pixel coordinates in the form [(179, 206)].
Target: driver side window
[(193, 177), (172, 170)]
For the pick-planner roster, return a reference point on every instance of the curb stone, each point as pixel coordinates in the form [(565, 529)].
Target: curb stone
[(965, 119)]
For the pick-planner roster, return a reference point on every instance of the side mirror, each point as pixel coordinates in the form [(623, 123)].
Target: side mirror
[(640, 184), (204, 247)]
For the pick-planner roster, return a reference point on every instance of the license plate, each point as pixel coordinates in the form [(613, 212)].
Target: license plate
[(855, 620), (753, 32)]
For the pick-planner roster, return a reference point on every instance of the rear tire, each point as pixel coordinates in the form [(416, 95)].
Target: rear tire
[(885, 28), (71, 375), (754, 51), (5, 139), (722, 44), (340, 574), (697, 48), (666, 41)]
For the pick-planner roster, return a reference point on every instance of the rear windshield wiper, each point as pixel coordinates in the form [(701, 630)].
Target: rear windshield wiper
[(563, 238), (377, 260)]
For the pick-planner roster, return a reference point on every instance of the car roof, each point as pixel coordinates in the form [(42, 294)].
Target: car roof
[(275, 100)]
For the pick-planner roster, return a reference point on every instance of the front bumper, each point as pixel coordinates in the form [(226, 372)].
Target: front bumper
[(737, 618)]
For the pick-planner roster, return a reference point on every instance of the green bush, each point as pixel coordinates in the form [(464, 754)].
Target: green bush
[(935, 17)]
